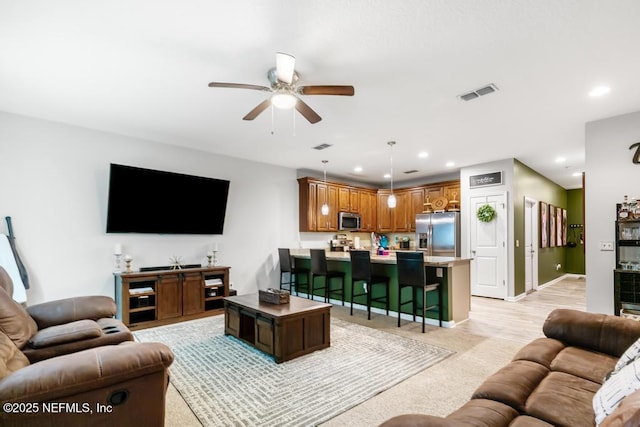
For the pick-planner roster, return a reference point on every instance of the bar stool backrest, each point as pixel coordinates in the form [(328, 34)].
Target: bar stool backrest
[(318, 262), (285, 260), (410, 268), (360, 265)]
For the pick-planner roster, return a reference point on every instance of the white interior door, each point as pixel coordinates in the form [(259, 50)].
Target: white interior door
[(488, 248), (530, 245)]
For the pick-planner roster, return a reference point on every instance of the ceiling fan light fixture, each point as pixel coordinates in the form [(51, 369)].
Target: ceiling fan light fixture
[(283, 100)]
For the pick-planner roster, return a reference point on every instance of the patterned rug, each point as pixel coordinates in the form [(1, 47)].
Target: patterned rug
[(229, 383)]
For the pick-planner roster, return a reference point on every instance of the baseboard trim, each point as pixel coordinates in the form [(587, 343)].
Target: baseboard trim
[(544, 285), (516, 298), (394, 314)]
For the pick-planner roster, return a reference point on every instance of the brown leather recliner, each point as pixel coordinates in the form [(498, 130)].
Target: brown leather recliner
[(60, 327), (121, 385)]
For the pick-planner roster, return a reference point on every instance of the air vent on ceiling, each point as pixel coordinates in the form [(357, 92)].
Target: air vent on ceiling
[(411, 171), (490, 88), (321, 146)]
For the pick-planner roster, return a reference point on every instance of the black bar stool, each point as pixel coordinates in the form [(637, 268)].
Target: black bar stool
[(361, 272), (319, 269), (287, 267), (411, 274)]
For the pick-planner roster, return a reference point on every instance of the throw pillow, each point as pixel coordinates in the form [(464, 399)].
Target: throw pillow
[(628, 356), (619, 385)]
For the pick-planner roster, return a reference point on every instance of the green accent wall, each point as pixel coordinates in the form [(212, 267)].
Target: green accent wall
[(575, 216), (529, 183)]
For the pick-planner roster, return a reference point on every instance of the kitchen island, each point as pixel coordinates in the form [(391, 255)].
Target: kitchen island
[(453, 274)]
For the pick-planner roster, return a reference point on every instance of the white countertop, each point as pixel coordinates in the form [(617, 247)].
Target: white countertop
[(382, 259)]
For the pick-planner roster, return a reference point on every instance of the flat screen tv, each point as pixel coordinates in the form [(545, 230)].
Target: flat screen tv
[(153, 201)]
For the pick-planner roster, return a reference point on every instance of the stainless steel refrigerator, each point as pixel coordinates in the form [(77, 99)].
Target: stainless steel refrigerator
[(438, 234)]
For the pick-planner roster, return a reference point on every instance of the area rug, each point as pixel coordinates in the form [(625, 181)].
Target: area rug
[(229, 383)]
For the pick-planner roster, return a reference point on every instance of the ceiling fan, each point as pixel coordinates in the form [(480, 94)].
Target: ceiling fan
[(284, 92)]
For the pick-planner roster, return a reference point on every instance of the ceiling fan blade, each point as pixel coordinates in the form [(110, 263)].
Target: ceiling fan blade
[(285, 65), (327, 90), (256, 111), (307, 112), (239, 86)]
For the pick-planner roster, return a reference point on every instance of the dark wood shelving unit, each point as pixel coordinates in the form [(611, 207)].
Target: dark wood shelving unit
[(626, 275), (158, 297)]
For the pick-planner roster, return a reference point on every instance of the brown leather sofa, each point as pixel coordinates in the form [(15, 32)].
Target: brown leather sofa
[(108, 385), (552, 380), (63, 326)]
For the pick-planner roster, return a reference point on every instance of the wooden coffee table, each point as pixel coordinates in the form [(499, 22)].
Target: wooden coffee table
[(284, 331)]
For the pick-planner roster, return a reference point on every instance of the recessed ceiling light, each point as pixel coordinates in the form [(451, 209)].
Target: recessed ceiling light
[(357, 169), (423, 154), (387, 175), (450, 164), (577, 174), (600, 90), (560, 160)]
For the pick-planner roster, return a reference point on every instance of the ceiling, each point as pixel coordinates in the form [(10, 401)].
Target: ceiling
[(140, 68)]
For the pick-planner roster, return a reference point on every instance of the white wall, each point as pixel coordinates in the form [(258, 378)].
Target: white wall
[(609, 175), (54, 182)]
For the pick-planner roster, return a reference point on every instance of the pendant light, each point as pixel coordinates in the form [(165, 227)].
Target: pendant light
[(391, 201), (325, 207)]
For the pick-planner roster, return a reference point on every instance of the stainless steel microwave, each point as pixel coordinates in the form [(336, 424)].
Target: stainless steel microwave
[(348, 221)]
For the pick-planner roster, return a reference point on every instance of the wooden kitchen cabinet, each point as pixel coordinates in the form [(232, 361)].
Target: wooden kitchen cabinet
[(312, 194), (307, 200), (328, 194), (369, 203), (401, 212), (348, 199), (416, 202), (384, 213), (368, 210)]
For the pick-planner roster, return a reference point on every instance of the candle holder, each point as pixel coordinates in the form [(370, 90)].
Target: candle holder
[(127, 261), (215, 258), (117, 268)]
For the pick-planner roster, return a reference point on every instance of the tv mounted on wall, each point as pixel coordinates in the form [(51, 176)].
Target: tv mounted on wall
[(153, 201)]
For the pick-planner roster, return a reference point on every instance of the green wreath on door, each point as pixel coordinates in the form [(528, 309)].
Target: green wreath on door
[(486, 213)]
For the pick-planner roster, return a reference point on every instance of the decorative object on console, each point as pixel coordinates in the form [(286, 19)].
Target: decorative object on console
[(176, 262), (117, 253), (210, 259), (274, 296), (214, 254), (128, 259)]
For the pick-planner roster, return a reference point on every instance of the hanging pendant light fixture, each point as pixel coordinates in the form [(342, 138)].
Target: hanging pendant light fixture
[(391, 201), (325, 207)]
